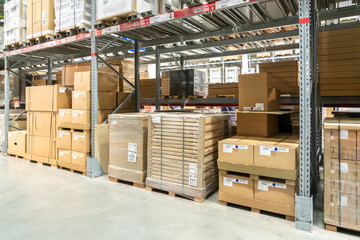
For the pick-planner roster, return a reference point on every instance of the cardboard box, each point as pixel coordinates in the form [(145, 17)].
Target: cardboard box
[(82, 100), (121, 96), (79, 158), (64, 155), (17, 143), (236, 183), (106, 82), (238, 149), (40, 18), (63, 140), (256, 124), (280, 151), (128, 146), (254, 93), (347, 175), (69, 70), (102, 145), (83, 116), (43, 124), (274, 191), (347, 204), (81, 141), (65, 116), (48, 98), (41, 146)]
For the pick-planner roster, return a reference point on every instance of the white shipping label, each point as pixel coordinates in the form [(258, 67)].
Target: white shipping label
[(132, 151), (344, 134), (81, 112), (113, 122), (263, 186), (76, 94), (228, 182), (332, 138), (82, 136), (343, 201), (264, 150), (11, 134), (344, 167), (61, 152), (193, 174), (62, 89), (156, 119), (62, 113), (75, 113), (61, 134), (76, 137), (43, 18), (74, 155), (227, 148), (259, 106)]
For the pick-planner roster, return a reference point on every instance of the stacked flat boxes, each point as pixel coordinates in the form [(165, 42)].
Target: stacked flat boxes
[(73, 145), (14, 22), (182, 152), (259, 167), (43, 104), (40, 19), (339, 59), (342, 173)]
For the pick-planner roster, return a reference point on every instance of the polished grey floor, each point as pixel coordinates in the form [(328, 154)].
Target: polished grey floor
[(38, 202)]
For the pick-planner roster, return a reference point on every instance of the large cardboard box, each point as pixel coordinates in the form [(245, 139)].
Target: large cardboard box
[(236, 183), (257, 124), (280, 151), (83, 116), (42, 124), (128, 146), (254, 93), (82, 100), (106, 82), (48, 98), (347, 204), (65, 117), (17, 143), (102, 145), (347, 175), (238, 149), (63, 139), (41, 146), (64, 155), (40, 18), (275, 191), (130, 103), (79, 158), (81, 141)]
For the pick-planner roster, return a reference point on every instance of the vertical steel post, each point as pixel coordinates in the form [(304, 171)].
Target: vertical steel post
[(182, 62), (6, 102), (94, 77), (137, 76), (49, 80), (303, 201), (157, 84), (222, 70)]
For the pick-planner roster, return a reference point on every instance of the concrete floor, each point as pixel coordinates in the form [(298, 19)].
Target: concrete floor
[(38, 202)]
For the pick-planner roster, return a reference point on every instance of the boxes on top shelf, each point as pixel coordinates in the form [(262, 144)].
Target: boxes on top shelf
[(232, 74), (14, 22), (40, 18), (215, 75)]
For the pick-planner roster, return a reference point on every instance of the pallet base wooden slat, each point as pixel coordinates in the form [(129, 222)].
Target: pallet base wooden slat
[(334, 226), (72, 170), (172, 194), (41, 160), (138, 185), (72, 167)]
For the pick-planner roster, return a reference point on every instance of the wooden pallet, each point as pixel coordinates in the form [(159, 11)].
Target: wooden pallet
[(40, 39), (333, 226), (258, 211), (138, 185), (15, 155), (74, 130), (222, 96), (181, 97), (14, 46), (41, 160), (172, 194), (72, 167), (72, 170), (42, 163)]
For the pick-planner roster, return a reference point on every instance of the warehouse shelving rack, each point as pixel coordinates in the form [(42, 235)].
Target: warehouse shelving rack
[(254, 26)]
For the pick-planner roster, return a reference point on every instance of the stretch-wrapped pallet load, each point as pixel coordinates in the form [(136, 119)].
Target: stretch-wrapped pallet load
[(183, 151), (15, 22), (109, 9), (342, 173), (40, 18), (339, 59), (128, 137), (169, 5), (70, 14)]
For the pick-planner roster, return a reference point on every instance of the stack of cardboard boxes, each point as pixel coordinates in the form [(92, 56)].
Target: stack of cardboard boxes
[(259, 167), (342, 173), (74, 136), (43, 104)]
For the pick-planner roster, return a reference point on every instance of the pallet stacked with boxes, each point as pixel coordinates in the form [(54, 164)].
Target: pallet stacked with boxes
[(73, 145), (259, 167), (342, 173), (182, 153), (43, 104), (14, 23)]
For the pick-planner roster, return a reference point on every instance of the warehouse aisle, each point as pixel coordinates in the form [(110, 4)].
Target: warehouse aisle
[(38, 202)]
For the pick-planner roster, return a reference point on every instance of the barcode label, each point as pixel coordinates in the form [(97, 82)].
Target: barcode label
[(193, 174), (132, 150)]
